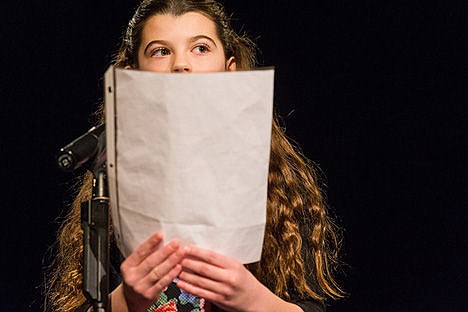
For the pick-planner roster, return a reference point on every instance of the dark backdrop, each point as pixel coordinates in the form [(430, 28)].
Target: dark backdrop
[(374, 92)]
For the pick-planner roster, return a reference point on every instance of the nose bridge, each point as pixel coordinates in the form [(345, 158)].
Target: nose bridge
[(181, 63)]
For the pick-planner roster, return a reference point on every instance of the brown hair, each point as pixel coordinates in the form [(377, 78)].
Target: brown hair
[(295, 200)]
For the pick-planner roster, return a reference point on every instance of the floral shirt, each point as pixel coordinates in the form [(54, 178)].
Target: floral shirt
[(174, 299)]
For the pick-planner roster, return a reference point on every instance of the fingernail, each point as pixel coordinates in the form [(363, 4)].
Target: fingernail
[(174, 244)]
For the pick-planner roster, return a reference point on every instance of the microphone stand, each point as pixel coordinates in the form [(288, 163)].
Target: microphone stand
[(89, 151), (95, 225)]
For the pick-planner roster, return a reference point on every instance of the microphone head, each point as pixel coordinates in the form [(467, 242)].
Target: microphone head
[(82, 150), (65, 161)]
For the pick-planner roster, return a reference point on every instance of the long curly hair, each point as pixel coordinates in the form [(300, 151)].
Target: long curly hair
[(296, 202)]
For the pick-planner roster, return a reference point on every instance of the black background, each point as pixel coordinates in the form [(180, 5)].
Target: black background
[(374, 92)]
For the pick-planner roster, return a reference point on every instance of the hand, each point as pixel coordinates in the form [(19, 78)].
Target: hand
[(149, 270), (221, 280)]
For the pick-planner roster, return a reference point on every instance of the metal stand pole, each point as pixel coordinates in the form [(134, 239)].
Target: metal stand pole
[(95, 225)]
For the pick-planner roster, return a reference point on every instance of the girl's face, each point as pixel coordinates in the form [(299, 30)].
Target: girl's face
[(182, 44)]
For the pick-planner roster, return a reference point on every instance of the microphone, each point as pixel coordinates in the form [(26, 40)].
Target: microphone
[(87, 149)]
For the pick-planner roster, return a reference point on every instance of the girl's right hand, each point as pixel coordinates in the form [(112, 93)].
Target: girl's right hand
[(148, 271)]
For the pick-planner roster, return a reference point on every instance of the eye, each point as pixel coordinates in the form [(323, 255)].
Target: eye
[(201, 49), (158, 52)]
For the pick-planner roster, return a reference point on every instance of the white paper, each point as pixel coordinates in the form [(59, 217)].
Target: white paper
[(188, 155)]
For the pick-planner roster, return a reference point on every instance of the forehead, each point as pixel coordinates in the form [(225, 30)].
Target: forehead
[(168, 26)]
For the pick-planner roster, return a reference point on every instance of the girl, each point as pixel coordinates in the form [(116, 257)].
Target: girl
[(301, 243)]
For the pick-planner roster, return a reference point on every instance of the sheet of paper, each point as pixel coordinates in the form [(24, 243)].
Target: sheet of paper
[(188, 155)]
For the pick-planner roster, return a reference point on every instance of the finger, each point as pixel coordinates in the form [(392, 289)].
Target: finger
[(200, 292), (204, 269), (203, 282), (208, 256), (165, 267), (144, 250), (152, 262), (164, 282)]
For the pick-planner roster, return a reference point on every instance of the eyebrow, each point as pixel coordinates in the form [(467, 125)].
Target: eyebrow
[(192, 39)]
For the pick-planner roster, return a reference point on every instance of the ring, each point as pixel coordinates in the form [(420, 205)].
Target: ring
[(155, 274)]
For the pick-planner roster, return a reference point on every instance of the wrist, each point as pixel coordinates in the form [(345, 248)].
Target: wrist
[(117, 300), (267, 301)]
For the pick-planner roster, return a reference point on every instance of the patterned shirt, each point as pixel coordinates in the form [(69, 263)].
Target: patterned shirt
[(174, 299)]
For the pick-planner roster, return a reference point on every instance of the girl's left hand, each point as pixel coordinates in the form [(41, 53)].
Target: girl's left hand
[(222, 281)]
